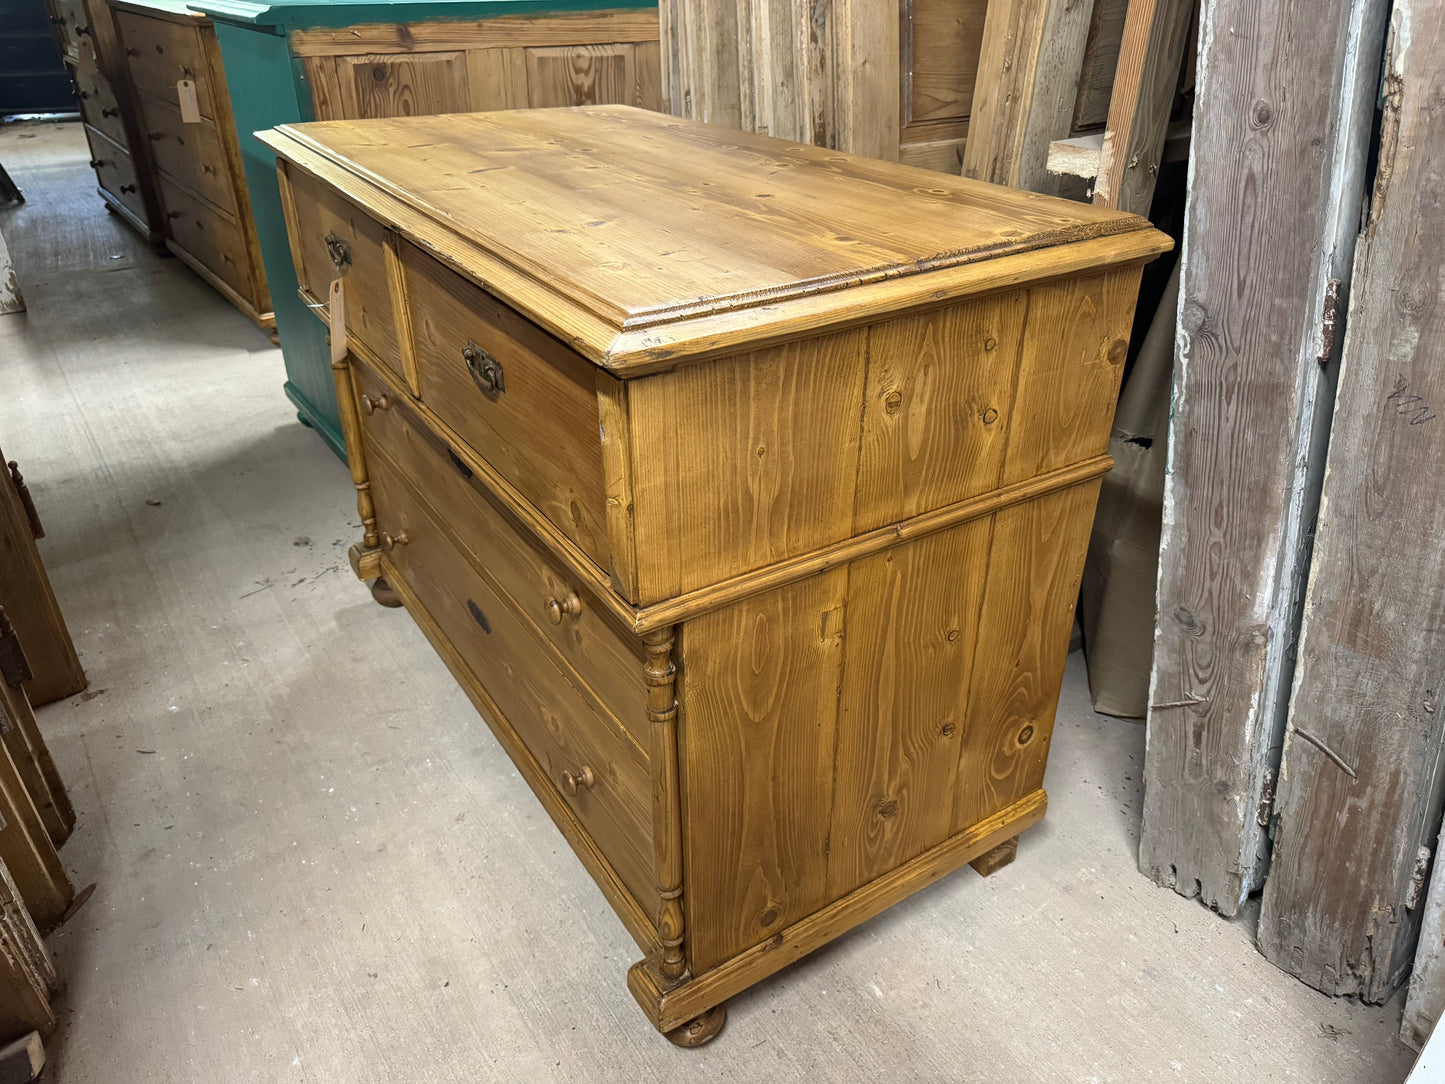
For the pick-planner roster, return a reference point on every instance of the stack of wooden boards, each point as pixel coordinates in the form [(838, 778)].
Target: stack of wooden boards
[(35, 811)]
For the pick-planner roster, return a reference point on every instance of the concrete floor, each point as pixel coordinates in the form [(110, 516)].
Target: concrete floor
[(314, 863)]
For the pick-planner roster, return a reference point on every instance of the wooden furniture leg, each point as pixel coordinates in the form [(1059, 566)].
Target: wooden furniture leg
[(382, 592), (992, 861), (702, 1028)]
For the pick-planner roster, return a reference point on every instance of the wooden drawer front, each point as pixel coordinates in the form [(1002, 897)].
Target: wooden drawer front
[(189, 153), (72, 25), (541, 705), (322, 215), (98, 105), (115, 171), (208, 236), (608, 659), (541, 430), (161, 53)]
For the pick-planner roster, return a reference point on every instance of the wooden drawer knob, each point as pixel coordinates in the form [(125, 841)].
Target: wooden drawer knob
[(390, 542), (583, 778), (557, 607), (370, 405)]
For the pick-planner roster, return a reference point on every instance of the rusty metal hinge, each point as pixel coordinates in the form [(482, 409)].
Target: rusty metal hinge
[(1266, 799), (1329, 321)]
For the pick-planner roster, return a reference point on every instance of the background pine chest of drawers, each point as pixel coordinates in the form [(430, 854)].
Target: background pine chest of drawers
[(745, 487)]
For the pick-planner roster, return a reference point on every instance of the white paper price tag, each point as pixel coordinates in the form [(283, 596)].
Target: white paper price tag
[(190, 107)]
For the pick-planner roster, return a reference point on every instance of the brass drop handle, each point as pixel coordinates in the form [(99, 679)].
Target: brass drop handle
[(389, 542), (381, 402), (569, 605), (583, 778)]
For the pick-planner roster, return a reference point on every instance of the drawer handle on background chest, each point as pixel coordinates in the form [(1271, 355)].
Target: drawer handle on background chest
[(389, 542), (583, 778), (339, 251), (110, 112), (485, 369), (381, 402), (127, 188), (569, 605)]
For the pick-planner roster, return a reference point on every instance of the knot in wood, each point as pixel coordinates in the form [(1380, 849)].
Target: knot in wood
[(1026, 735)]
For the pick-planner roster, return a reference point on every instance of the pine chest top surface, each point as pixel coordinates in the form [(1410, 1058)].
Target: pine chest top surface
[(643, 238)]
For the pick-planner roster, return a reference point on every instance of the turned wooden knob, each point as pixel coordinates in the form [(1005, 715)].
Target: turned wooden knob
[(583, 777), (381, 402), (569, 605), (390, 542)]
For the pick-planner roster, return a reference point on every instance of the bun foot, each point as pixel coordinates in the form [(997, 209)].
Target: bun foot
[(382, 592), (701, 1028), (995, 860)]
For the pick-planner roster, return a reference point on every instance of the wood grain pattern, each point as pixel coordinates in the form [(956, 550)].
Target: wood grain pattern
[(942, 38), (1150, 52), (404, 85), (781, 429), (1036, 562), (27, 852), (505, 31), (540, 432), (903, 715), (1101, 59), (1250, 418), (760, 684), (1070, 364), (1361, 787), (32, 760), (190, 154), (28, 598), (936, 408)]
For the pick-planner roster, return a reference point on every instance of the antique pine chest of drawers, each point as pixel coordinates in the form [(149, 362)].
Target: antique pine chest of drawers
[(745, 487)]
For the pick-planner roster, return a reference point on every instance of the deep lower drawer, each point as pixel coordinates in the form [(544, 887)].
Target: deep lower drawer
[(525, 402), (330, 238), (207, 236), (115, 171), (595, 767), (190, 154), (607, 658), (161, 53)]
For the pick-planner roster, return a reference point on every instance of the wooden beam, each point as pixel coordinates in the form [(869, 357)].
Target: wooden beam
[(1361, 787), (1150, 53), (1079, 155), (1028, 78), (1285, 100), (1426, 1002)]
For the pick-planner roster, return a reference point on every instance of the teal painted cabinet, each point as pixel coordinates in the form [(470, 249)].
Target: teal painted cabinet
[(296, 60)]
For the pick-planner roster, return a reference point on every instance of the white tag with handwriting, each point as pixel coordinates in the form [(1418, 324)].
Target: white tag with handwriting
[(338, 322), (190, 107)]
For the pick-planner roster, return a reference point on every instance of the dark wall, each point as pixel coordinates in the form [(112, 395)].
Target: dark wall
[(32, 78)]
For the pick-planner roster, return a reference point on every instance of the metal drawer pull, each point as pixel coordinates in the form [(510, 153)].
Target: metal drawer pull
[(570, 605), (390, 542), (339, 251), (485, 369), (381, 402), (584, 778)]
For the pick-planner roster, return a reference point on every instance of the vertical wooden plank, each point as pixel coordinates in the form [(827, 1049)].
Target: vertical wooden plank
[(864, 91), (577, 75), (28, 597), (1361, 786), (616, 433), (1036, 561), (1101, 58), (703, 47), (936, 407), (1070, 364), (901, 720), (327, 100), (645, 68), (759, 701), (34, 763), (497, 78), (404, 85), (1028, 77), (1425, 1004), (1275, 181), (1150, 52), (780, 430)]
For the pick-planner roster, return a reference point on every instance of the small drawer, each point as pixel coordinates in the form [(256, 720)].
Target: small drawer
[(161, 53), (330, 237), (206, 235), (525, 402), (98, 104), (607, 658), (115, 171), (72, 25), (188, 153), (599, 772)]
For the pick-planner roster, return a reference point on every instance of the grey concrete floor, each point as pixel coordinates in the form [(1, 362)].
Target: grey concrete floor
[(314, 863)]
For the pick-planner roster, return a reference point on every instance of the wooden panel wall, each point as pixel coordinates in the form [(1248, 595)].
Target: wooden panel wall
[(1361, 786), (1273, 209), (515, 62), (940, 42)]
